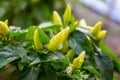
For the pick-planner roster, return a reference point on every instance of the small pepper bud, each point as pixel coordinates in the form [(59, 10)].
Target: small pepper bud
[(96, 28), (83, 23), (70, 54), (77, 62), (65, 47), (37, 43), (58, 39), (101, 35), (74, 25), (66, 34), (82, 55), (6, 21), (56, 18), (67, 14), (4, 28)]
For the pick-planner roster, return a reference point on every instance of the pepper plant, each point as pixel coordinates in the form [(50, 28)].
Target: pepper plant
[(64, 49)]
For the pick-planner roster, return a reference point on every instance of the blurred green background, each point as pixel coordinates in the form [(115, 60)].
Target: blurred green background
[(24, 13)]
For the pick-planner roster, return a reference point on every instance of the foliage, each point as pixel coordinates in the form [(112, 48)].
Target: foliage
[(63, 49)]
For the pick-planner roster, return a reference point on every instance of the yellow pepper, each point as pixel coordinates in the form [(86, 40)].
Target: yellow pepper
[(101, 35), (56, 18), (67, 14), (58, 39), (37, 43), (6, 21), (65, 47), (96, 28), (83, 23), (4, 30), (78, 61), (70, 54)]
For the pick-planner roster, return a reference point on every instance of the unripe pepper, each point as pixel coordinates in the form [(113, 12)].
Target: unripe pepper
[(65, 47), (66, 34), (67, 14), (56, 18), (4, 28), (6, 21), (83, 23), (58, 39), (101, 35), (96, 28), (78, 61), (74, 25), (37, 43), (70, 54)]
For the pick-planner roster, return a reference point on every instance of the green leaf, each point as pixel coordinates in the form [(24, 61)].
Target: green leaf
[(51, 28), (53, 70), (50, 56), (47, 72), (105, 65), (43, 37), (4, 61), (85, 31), (14, 28), (115, 58), (117, 66), (107, 50), (47, 76), (30, 74), (10, 53), (76, 75), (20, 36), (36, 61), (72, 19), (19, 50), (78, 42), (52, 65), (76, 47), (92, 70), (30, 33)]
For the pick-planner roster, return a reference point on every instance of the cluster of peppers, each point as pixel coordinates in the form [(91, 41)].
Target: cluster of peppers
[(61, 37)]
